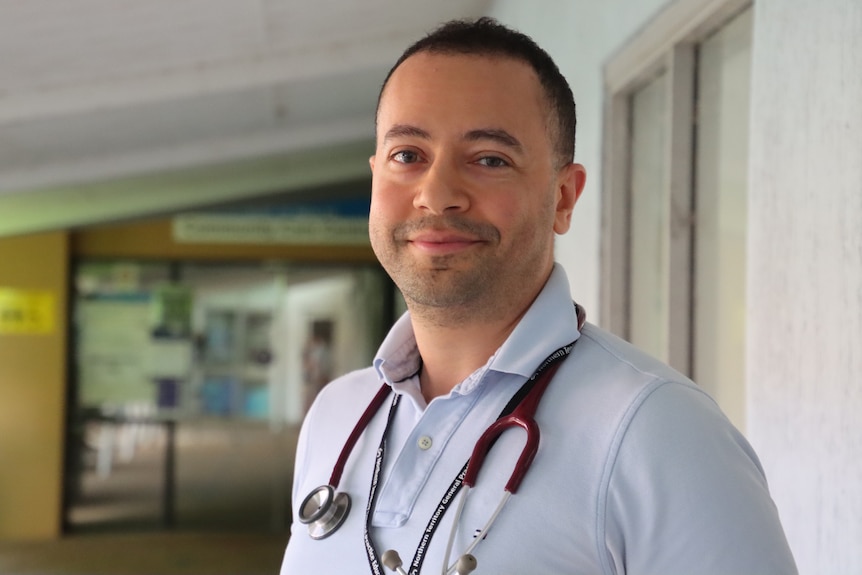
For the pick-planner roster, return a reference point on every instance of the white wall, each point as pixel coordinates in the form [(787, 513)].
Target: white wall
[(804, 375), (581, 36), (805, 273)]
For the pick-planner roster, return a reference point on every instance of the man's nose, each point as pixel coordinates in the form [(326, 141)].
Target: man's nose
[(441, 190)]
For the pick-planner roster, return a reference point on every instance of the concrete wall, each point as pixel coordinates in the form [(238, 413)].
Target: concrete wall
[(805, 273)]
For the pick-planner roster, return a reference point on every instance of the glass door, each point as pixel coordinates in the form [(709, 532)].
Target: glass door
[(191, 381)]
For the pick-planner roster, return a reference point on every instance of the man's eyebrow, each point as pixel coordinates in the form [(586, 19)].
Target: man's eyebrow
[(405, 130), (499, 136)]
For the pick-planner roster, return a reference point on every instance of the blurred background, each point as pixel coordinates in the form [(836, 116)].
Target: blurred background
[(184, 259)]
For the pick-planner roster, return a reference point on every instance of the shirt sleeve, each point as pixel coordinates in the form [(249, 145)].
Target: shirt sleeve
[(686, 494)]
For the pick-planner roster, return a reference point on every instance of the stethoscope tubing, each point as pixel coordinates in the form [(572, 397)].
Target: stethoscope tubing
[(323, 521), (358, 429), (447, 568), (324, 509), (523, 416)]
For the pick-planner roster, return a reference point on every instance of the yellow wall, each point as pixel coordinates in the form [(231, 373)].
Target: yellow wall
[(33, 391)]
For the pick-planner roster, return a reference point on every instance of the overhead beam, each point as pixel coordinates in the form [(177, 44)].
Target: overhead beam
[(186, 155), (122, 199), (205, 78)]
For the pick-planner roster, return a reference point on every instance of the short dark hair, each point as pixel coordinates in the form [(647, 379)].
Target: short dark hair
[(487, 37)]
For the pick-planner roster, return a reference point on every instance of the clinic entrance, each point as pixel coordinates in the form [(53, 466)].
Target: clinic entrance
[(191, 368)]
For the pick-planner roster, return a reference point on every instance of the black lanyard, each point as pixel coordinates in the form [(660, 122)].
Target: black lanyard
[(373, 560), (457, 483)]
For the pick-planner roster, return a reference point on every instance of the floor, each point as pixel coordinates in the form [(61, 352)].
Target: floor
[(230, 508), (146, 554)]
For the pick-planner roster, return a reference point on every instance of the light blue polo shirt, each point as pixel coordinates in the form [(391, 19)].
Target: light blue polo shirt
[(637, 472)]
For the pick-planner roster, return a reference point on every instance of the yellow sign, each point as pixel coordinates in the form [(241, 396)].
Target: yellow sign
[(26, 311)]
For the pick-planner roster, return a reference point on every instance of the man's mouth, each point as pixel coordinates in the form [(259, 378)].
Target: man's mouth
[(434, 242)]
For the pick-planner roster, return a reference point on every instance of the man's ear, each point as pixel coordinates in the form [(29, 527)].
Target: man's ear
[(371, 163), (570, 185)]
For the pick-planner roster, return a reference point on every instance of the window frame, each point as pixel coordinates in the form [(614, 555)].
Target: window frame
[(667, 44)]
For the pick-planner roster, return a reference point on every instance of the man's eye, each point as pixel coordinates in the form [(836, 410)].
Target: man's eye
[(405, 157), (493, 162)]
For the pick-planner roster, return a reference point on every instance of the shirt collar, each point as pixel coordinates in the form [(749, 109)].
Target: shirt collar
[(398, 357), (550, 323)]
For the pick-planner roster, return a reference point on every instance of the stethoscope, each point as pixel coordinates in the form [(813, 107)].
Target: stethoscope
[(324, 510)]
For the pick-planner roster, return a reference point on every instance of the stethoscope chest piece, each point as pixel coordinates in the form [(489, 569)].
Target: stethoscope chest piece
[(324, 510)]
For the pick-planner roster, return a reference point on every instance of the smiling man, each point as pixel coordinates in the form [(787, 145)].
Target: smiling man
[(637, 471), (468, 191)]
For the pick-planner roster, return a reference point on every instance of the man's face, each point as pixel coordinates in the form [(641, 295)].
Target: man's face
[(465, 194)]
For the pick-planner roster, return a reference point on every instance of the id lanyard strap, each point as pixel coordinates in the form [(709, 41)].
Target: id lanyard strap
[(457, 483), (373, 560)]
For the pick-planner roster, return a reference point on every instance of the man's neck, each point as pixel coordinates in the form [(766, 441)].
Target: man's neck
[(453, 350)]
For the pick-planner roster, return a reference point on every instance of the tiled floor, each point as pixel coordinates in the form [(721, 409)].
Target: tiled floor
[(229, 476)]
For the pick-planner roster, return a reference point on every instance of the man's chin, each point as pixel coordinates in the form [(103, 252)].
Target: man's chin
[(442, 288)]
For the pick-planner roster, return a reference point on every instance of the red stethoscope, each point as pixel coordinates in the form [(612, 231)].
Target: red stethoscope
[(324, 510)]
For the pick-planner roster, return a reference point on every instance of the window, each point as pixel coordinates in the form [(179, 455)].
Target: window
[(675, 193)]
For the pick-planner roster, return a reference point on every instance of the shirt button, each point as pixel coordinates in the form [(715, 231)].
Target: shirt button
[(424, 442)]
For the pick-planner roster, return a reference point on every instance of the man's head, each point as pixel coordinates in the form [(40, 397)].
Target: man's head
[(486, 37), (469, 185)]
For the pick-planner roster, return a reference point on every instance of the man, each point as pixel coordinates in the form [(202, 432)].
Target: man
[(637, 472)]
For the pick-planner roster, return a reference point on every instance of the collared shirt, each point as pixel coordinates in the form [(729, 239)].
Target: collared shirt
[(637, 472)]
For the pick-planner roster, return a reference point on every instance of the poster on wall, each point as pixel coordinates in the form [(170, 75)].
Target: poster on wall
[(114, 349), (25, 311), (170, 345), (172, 311)]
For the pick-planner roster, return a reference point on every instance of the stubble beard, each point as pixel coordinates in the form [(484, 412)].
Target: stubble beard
[(447, 288)]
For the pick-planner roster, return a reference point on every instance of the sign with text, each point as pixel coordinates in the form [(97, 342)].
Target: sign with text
[(339, 222), (24, 311)]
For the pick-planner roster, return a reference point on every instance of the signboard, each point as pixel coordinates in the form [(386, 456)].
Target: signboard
[(25, 311), (343, 222)]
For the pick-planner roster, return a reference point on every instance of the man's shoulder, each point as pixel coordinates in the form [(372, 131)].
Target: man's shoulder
[(602, 350), (354, 384), (608, 380), (346, 394)]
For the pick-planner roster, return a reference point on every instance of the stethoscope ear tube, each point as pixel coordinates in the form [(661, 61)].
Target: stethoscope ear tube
[(522, 416)]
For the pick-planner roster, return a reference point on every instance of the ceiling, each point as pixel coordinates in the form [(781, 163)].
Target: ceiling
[(113, 109)]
